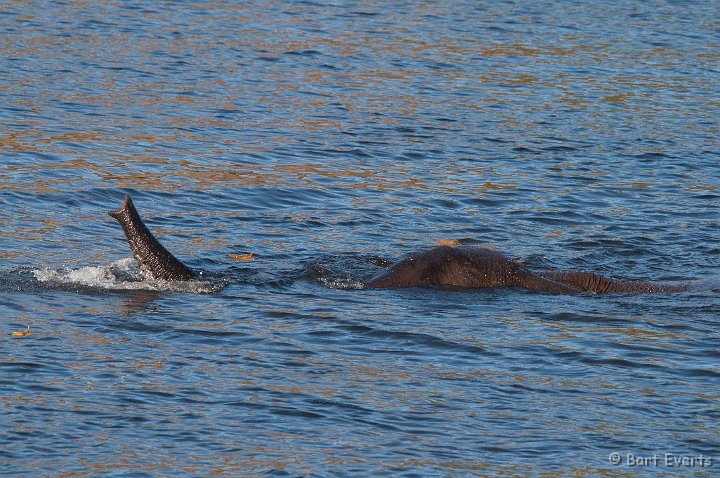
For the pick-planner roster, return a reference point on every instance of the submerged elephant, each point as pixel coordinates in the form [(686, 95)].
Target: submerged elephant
[(443, 267), (466, 267)]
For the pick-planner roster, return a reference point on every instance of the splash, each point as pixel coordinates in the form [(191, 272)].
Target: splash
[(120, 275), (341, 283)]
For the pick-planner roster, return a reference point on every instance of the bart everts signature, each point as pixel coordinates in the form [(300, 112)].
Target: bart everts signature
[(656, 460)]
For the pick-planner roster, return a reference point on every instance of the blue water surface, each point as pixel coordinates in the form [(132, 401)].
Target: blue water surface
[(327, 140)]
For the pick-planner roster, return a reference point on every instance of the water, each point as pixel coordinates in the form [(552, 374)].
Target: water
[(328, 140)]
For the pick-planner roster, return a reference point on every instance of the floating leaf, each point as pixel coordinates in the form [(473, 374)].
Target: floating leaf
[(246, 256), (448, 242)]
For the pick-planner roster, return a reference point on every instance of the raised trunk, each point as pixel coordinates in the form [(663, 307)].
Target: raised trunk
[(153, 258)]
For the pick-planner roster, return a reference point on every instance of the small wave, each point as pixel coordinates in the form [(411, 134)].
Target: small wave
[(711, 284), (120, 275)]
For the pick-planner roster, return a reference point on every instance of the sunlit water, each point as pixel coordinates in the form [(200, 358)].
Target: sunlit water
[(329, 140)]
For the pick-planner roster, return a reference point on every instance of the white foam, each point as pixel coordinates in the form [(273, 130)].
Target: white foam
[(120, 275)]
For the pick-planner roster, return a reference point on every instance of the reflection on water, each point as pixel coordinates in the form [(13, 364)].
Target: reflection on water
[(328, 140)]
